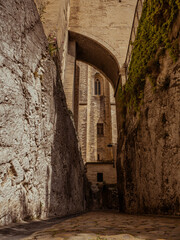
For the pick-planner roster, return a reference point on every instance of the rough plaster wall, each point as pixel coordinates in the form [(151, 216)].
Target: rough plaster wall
[(82, 129), (113, 116), (41, 171), (55, 18), (69, 81), (82, 121), (91, 150), (106, 21), (114, 123), (76, 97), (149, 164)]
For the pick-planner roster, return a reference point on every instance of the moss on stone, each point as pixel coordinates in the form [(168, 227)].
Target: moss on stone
[(151, 42)]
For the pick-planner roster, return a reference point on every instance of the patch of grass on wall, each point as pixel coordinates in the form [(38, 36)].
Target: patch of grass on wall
[(122, 102), (151, 42)]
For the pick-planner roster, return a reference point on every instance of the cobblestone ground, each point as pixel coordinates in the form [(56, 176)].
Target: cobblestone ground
[(110, 226)]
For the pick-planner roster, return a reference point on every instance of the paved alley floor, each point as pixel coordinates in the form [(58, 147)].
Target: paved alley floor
[(109, 226)]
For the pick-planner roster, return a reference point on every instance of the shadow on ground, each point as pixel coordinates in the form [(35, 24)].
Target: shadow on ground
[(98, 226), (25, 229)]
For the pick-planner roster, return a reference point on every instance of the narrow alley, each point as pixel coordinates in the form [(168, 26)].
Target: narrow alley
[(89, 120)]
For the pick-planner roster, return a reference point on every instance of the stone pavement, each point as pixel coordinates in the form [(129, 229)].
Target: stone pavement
[(109, 226)]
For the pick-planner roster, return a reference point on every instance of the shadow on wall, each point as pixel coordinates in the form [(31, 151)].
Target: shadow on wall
[(67, 177), (96, 55), (35, 181), (101, 196)]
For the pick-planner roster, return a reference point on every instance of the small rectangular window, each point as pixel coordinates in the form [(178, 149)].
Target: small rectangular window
[(99, 177), (100, 129)]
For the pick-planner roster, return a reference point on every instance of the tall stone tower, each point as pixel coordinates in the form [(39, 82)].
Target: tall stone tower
[(97, 128), (97, 116)]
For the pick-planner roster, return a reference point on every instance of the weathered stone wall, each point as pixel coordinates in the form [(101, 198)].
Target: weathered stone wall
[(95, 109), (110, 28), (54, 15), (69, 81), (108, 170), (106, 21), (83, 99), (149, 148), (102, 196), (113, 116), (41, 170)]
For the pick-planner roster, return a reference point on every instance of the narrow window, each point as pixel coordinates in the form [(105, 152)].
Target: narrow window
[(100, 129), (99, 177), (98, 157), (97, 87)]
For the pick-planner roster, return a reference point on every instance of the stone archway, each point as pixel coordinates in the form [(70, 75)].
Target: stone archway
[(96, 55), (89, 110), (87, 50)]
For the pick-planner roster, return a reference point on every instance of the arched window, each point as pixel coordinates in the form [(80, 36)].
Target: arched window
[(97, 87), (100, 129)]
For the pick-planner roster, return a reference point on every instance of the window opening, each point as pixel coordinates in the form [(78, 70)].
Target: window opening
[(97, 87), (99, 177), (100, 129)]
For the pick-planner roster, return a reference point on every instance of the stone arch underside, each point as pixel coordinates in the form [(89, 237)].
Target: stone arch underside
[(96, 55)]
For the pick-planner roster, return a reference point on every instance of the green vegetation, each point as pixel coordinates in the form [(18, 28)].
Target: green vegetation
[(152, 40), (42, 9), (53, 46)]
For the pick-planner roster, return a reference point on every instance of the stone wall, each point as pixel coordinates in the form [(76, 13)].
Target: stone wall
[(108, 170), (41, 170), (83, 99), (54, 15), (106, 21), (102, 196), (101, 193), (113, 116), (94, 109), (149, 150)]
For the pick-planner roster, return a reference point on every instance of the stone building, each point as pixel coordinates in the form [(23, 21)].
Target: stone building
[(95, 120), (41, 168), (97, 127)]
